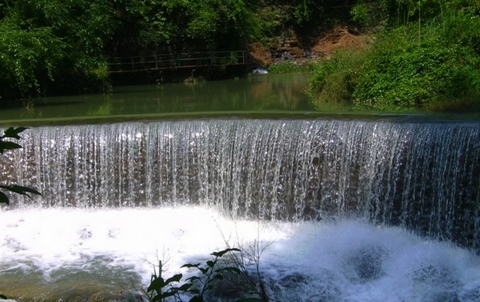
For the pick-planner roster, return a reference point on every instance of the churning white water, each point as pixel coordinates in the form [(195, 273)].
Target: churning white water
[(302, 261)]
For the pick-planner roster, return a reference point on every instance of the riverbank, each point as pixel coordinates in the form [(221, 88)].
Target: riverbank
[(306, 49)]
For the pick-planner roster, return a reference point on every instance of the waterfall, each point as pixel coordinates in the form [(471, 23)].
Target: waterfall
[(424, 176)]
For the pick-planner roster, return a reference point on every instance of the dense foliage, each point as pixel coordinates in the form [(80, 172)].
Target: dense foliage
[(427, 56), (47, 44), (62, 46)]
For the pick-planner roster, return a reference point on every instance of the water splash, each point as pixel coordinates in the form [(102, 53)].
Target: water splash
[(69, 254)]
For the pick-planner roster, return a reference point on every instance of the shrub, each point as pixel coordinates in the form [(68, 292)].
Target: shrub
[(197, 286), (403, 73), (290, 67), (431, 64), (334, 80)]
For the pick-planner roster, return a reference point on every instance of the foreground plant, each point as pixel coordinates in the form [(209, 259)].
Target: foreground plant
[(6, 143), (197, 286)]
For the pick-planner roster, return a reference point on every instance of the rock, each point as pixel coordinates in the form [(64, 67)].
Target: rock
[(365, 264)]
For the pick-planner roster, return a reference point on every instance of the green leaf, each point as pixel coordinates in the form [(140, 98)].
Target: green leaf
[(196, 299), (13, 132), (4, 198), (193, 278), (211, 263), (20, 189), (26, 189), (249, 300), (184, 287), (175, 278), (156, 284), (189, 265), (8, 146)]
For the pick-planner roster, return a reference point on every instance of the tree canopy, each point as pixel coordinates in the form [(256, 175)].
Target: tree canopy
[(62, 46)]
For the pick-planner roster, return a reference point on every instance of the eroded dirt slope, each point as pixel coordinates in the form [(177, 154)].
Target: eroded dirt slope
[(300, 49)]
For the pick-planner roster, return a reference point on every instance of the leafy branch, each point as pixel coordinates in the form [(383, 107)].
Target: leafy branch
[(210, 272), (6, 143)]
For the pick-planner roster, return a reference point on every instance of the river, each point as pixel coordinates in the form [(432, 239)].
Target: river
[(281, 93), (323, 208)]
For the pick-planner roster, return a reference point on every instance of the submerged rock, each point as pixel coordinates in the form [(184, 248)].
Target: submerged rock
[(298, 286), (365, 264)]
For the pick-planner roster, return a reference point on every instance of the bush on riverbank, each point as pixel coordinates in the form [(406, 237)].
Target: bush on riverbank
[(403, 72), (334, 80), (434, 66)]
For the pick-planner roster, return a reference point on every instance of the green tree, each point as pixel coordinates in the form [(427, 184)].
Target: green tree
[(52, 44), (182, 25), (28, 59)]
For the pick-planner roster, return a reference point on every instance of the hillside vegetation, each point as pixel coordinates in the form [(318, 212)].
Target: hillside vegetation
[(426, 56), (423, 52), (62, 46)]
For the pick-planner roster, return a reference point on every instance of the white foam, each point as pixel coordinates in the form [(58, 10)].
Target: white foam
[(345, 261)]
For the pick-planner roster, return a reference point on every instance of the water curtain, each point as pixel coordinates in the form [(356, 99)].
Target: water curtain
[(424, 176)]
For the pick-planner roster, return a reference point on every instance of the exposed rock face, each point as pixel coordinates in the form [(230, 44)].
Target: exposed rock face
[(293, 47)]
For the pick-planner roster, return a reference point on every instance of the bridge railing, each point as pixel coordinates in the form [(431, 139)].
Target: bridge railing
[(181, 60)]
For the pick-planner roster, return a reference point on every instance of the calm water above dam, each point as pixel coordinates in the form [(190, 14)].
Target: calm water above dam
[(255, 93)]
